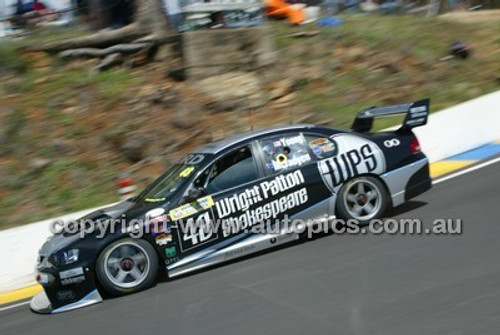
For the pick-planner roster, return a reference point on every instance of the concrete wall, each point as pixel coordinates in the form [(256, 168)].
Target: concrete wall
[(462, 127)]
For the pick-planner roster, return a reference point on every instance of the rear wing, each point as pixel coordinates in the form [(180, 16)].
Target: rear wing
[(416, 115)]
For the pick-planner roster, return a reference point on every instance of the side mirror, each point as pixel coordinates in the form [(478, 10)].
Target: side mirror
[(195, 193)]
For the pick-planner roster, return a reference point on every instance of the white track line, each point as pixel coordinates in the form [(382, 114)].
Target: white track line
[(464, 171), (437, 181), (14, 306)]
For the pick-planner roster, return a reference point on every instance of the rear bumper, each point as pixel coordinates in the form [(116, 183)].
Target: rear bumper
[(407, 181), (418, 183)]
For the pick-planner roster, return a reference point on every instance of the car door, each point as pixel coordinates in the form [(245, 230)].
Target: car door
[(227, 191), (299, 189)]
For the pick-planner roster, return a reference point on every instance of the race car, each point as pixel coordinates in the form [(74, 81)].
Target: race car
[(205, 210)]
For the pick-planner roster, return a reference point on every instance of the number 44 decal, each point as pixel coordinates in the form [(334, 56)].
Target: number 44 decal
[(197, 231)]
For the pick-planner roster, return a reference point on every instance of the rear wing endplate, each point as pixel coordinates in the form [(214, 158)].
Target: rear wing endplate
[(416, 115)]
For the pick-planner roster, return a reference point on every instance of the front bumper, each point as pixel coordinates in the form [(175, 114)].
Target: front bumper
[(41, 303), (65, 289)]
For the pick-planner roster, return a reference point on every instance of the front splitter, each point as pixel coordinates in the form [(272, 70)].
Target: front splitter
[(41, 303)]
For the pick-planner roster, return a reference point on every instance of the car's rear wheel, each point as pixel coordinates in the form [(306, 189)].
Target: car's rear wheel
[(362, 199), (127, 266)]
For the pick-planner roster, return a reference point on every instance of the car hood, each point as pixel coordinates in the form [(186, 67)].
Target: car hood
[(61, 240)]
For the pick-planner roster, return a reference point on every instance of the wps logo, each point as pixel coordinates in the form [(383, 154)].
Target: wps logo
[(361, 159), (392, 143)]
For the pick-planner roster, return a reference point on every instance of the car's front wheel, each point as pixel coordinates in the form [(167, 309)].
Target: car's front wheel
[(362, 199), (127, 266)]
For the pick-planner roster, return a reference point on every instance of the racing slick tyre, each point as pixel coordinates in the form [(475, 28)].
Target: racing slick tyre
[(127, 266), (362, 199)]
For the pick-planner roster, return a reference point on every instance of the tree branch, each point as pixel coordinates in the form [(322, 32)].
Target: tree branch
[(93, 52)]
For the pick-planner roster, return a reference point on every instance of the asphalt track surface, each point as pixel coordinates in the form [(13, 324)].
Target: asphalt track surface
[(362, 284)]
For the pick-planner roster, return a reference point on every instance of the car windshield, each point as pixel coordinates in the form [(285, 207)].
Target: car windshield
[(172, 180)]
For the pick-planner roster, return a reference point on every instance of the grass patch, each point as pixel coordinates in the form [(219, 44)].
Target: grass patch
[(397, 60), (10, 59), (111, 84)]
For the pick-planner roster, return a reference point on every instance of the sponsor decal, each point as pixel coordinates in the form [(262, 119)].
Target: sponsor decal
[(328, 148), (186, 172), (191, 208), (242, 201), (318, 142), (266, 200), (366, 158), (74, 280), (267, 190), (418, 110), (321, 146), (171, 260), (171, 252), (291, 140), (392, 143), (71, 273), (163, 239), (65, 295), (159, 225), (416, 121), (281, 158), (285, 152), (193, 159), (234, 252), (282, 162), (162, 227), (197, 231), (154, 213), (154, 199), (206, 202)]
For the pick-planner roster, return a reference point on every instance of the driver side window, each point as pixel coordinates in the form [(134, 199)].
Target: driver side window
[(233, 169)]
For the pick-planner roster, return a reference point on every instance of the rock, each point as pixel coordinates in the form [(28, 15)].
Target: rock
[(309, 117), (224, 106), (61, 146), (164, 53), (333, 66), (234, 90), (314, 71), (177, 74), (160, 95), (356, 53), (147, 90), (280, 89), (165, 98), (186, 115), (13, 181), (41, 80), (39, 164), (284, 101), (40, 60), (169, 99), (133, 148), (70, 110), (5, 148)]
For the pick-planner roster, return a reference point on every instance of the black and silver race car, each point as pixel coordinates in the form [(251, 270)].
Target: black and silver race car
[(205, 209)]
